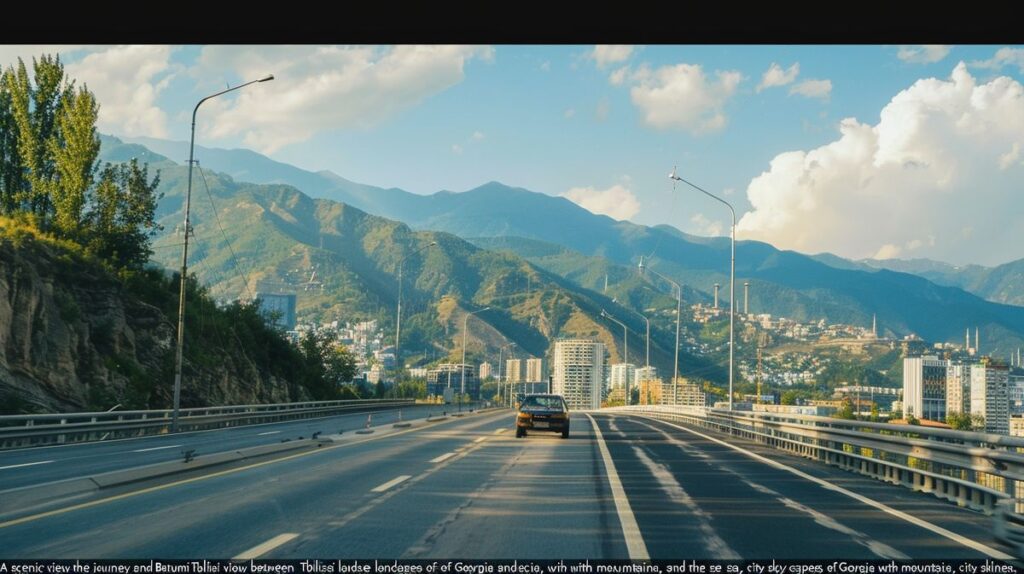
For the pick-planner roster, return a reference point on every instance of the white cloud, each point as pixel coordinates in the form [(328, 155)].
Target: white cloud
[(617, 202), (887, 251), (931, 162), (545, 66), (605, 55), (775, 76), (813, 89), (683, 97), (569, 113), (705, 226), (1003, 57), (619, 76), (1011, 157), (602, 109), (127, 81), (328, 87), (926, 54), (456, 149), (477, 136)]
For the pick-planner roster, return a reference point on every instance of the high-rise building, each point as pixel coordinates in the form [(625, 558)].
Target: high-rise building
[(578, 372), (650, 390), (450, 375), (646, 374), (535, 371), (924, 387), (990, 395), (958, 388), (514, 370), (279, 308), (622, 375), (1015, 392), (486, 370)]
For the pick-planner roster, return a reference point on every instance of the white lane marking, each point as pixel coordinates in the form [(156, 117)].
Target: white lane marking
[(630, 529), (501, 430), (973, 544), (260, 550), (391, 483), (157, 448), (25, 464), (480, 439), (880, 549), (715, 544), (268, 432), (443, 457)]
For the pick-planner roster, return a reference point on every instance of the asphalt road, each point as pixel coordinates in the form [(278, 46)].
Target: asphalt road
[(30, 466), (466, 488)]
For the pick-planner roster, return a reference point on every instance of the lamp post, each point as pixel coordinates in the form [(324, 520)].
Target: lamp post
[(625, 348), (184, 252), (462, 366), (398, 317), (679, 306), (732, 275)]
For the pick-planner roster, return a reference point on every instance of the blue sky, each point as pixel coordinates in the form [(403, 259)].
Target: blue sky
[(938, 176)]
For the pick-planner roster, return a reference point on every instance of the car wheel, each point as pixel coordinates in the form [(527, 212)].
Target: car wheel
[(520, 433), (565, 433)]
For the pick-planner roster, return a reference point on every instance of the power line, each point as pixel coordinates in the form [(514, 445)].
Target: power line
[(238, 268)]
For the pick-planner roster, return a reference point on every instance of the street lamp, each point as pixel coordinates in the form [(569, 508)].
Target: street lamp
[(679, 305), (398, 318), (647, 359), (732, 275), (184, 253), (625, 348), (462, 366)]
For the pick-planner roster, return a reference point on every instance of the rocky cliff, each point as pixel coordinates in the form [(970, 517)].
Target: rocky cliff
[(74, 336)]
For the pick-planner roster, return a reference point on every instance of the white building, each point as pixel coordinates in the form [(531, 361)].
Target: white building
[(514, 371), (535, 371), (644, 374), (578, 372), (486, 370), (1016, 395), (990, 396), (924, 387), (958, 388)]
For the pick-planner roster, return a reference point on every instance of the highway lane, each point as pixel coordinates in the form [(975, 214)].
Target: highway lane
[(466, 488), (696, 498), (30, 466)]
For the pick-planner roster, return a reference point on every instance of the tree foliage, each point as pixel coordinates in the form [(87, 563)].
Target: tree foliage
[(49, 165)]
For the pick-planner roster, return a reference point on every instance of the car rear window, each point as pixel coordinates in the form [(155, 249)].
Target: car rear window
[(542, 402)]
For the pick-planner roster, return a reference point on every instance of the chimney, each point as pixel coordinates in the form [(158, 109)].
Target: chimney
[(746, 297), (716, 295)]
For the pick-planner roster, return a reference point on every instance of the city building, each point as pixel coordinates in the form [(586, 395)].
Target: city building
[(683, 393), (924, 387), (958, 388), (536, 371), (449, 375), (650, 390), (990, 395), (1016, 426), (577, 371), (279, 308), (486, 371), (1015, 392), (514, 371), (623, 376)]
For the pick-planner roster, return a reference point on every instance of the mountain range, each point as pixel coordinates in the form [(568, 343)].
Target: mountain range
[(930, 299)]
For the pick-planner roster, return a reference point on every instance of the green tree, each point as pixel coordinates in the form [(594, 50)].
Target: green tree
[(328, 366), (874, 412), (74, 153), (959, 421), (11, 171), (122, 219), (845, 410)]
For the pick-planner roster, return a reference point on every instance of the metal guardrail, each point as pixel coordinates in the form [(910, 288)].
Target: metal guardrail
[(976, 470), (19, 431)]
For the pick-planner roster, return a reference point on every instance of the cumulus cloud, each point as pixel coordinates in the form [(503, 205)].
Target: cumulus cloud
[(775, 76), (9, 53), (617, 202), (328, 87), (606, 55), (602, 109), (569, 113), (1011, 157), (683, 97), (926, 54), (911, 182), (1003, 57), (619, 76), (705, 226), (127, 81), (821, 89)]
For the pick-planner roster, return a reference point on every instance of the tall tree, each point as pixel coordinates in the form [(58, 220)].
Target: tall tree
[(11, 172), (74, 151), (122, 218)]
